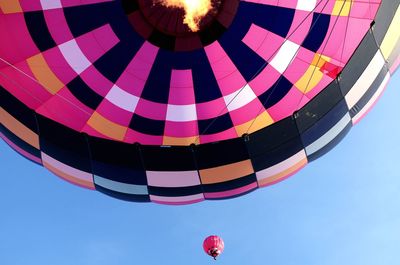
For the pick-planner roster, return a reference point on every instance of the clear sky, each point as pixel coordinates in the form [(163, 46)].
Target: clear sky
[(343, 208)]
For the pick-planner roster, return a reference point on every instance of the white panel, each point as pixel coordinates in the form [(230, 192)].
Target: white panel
[(280, 167), (181, 112), (374, 98), (50, 4), (365, 81), (122, 99), (329, 135), (284, 56), (306, 5), (120, 187), (173, 178), (239, 98), (74, 56)]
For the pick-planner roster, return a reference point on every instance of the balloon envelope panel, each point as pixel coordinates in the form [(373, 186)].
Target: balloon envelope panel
[(122, 97)]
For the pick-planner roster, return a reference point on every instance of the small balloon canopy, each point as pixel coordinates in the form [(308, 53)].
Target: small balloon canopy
[(213, 246)]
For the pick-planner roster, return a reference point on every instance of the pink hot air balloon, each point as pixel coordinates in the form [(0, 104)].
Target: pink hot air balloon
[(213, 246)]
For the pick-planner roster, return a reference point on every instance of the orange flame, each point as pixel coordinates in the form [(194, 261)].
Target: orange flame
[(195, 10)]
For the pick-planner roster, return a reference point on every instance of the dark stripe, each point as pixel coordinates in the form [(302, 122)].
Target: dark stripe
[(318, 32), (147, 126), (276, 92), (169, 158), (230, 185), (331, 144), (175, 192), (123, 196), (384, 18), (19, 142), (215, 125), (39, 31), (84, 93)]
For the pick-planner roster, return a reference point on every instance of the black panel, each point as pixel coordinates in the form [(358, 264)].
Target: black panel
[(117, 161), (383, 19), (230, 185), (37, 27), (123, 196), (84, 93), (325, 123), (220, 153), (273, 144), (129, 6), (18, 110), (358, 62), (211, 33), (318, 106), (64, 144), (175, 192), (162, 40), (331, 144), (317, 33), (147, 126), (276, 92), (20, 143), (370, 92), (215, 125), (168, 158)]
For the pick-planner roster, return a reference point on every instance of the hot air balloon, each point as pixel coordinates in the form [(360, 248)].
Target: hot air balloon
[(154, 100), (213, 246)]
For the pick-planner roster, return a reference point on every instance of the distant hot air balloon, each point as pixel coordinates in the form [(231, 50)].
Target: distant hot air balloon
[(165, 101), (213, 246)]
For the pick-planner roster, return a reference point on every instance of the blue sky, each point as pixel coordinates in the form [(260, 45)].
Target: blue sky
[(343, 208)]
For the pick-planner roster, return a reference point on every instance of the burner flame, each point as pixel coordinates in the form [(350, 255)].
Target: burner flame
[(195, 10)]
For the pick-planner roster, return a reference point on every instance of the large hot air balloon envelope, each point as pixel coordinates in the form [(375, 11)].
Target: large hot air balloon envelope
[(147, 100)]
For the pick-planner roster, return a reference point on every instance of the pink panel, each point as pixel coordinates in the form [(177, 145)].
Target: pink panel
[(181, 90), (181, 129), (23, 85), (231, 193), (207, 138), (301, 26), (228, 76), (18, 45), (173, 178), (158, 110), (177, 200), (365, 10), (96, 43), (96, 81), (246, 113), (264, 80), (58, 65), (20, 150), (57, 25), (132, 136), (66, 109), (211, 109), (135, 75), (69, 3), (287, 105), (114, 113)]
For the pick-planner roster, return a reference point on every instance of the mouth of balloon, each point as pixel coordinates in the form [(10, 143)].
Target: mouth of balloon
[(180, 25)]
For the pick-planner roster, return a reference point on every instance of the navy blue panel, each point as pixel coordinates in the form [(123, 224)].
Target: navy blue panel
[(276, 92), (325, 123), (168, 158), (117, 161), (84, 93), (123, 196), (220, 153), (230, 185), (370, 93), (211, 33), (163, 40), (18, 110), (274, 144), (147, 126), (211, 126), (63, 144), (318, 106), (175, 192), (358, 62), (331, 144), (20, 143), (272, 18), (129, 6), (37, 27), (318, 31)]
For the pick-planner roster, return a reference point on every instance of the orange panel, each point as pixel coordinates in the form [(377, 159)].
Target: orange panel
[(226, 172), (180, 141), (10, 6), (19, 129), (107, 127)]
